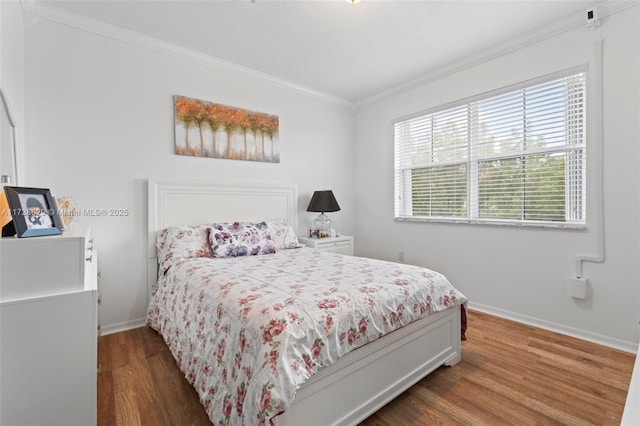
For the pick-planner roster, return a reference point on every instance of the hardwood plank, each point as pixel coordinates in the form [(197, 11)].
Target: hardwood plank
[(125, 406), (106, 400), (173, 389), (117, 354), (153, 409), (106, 397), (510, 373), (153, 344)]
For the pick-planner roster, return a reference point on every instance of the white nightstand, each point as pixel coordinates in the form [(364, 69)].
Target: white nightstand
[(342, 244)]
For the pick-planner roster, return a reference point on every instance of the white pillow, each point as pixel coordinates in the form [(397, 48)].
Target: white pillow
[(182, 242), (283, 234)]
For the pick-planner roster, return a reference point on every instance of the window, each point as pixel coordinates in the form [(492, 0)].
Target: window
[(514, 156)]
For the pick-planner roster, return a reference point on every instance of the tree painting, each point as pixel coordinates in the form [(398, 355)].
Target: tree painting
[(240, 129)]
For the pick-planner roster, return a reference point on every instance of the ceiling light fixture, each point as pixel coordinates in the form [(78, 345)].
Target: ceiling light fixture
[(353, 1)]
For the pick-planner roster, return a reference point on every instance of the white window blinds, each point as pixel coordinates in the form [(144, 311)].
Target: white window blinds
[(512, 156)]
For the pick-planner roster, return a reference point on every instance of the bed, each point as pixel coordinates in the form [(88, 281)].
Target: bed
[(322, 384)]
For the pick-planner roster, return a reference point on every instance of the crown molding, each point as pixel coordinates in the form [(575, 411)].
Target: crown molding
[(604, 9), (37, 10)]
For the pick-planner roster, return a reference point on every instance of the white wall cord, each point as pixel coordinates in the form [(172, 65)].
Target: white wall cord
[(598, 134)]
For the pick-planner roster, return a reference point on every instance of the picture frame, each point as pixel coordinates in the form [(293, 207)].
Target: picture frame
[(33, 211), (224, 131)]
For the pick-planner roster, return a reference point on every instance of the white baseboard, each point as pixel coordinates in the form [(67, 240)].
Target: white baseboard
[(122, 326), (600, 339)]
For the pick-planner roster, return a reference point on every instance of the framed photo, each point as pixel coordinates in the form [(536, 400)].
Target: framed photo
[(33, 211)]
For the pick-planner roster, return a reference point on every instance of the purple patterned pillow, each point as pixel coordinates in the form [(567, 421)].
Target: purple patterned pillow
[(240, 239)]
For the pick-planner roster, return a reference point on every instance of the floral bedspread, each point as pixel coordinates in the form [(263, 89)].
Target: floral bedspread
[(247, 332)]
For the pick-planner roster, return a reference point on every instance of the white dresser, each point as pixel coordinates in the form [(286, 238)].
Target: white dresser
[(48, 336), (342, 244)]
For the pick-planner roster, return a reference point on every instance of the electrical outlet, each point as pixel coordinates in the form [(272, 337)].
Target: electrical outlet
[(400, 256)]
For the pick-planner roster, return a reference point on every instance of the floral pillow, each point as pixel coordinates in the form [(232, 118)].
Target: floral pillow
[(283, 234), (240, 239), (182, 242)]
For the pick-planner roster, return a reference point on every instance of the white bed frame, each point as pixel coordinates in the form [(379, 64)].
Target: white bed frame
[(362, 381)]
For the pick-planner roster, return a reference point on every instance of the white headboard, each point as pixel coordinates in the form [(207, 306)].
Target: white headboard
[(193, 203)]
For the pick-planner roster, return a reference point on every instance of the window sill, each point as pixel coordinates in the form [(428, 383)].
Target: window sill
[(496, 222)]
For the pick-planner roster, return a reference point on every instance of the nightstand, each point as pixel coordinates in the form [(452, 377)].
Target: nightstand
[(342, 244)]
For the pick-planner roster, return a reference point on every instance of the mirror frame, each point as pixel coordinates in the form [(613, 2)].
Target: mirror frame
[(13, 142)]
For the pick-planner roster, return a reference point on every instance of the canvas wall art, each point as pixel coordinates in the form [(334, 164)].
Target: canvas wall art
[(206, 129)]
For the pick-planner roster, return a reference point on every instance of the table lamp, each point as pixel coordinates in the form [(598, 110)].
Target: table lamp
[(323, 201)]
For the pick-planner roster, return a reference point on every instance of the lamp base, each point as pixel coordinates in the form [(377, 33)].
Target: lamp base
[(323, 224)]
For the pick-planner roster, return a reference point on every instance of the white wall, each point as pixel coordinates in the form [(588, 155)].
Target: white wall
[(12, 76), (517, 272), (100, 123)]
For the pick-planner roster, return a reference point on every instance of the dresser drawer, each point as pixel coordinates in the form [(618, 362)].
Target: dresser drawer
[(40, 266), (340, 245)]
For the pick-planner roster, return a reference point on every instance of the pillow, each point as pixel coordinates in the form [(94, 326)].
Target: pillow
[(283, 234), (240, 239), (182, 242)]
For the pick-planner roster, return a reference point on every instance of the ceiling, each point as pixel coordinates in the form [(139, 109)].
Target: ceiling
[(352, 52)]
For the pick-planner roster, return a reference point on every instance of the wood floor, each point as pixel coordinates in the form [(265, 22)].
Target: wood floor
[(509, 374)]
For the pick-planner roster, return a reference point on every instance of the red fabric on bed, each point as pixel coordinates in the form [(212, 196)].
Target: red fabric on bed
[(463, 322)]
